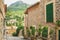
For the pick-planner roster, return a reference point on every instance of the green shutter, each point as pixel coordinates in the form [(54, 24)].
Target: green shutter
[(49, 12), (59, 35)]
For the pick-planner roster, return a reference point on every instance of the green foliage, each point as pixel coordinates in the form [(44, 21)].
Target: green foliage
[(45, 32), (39, 30), (19, 20), (16, 11), (58, 22), (28, 32), (32, 30), (18, 29), (23, 32), (8, 24), (14, 34), (51, 32), (18, 5)]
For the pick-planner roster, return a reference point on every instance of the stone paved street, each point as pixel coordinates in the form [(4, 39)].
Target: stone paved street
[(14, 38)]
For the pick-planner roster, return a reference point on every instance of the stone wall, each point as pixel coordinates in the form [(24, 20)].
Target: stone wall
[(42, 12), (34, 16), (2, 16), (57, 3)]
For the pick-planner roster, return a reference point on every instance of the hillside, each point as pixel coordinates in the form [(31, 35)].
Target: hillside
[(16, 10), (19, 5)]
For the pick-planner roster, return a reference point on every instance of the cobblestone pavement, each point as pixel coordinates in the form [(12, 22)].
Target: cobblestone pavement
[(15, 38)]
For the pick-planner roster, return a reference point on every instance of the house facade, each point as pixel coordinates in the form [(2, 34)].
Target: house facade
[(32, 15), (47, 13), (9, 30), (50, 15), (2, 18)]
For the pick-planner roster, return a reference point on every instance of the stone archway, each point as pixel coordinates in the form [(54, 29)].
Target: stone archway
[(58, 33)]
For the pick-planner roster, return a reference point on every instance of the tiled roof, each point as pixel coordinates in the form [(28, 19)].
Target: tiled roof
[(26, 11)]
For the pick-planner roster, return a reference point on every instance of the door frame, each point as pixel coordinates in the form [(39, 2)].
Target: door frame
[(54, 20), (57, 33)]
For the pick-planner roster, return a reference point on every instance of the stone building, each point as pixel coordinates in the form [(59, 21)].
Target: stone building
[(9, 30), (2, 16), (50, 14), (47, 13), (32, 15)]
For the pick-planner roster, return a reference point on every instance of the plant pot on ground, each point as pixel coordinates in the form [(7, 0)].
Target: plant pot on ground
[(58, 22)]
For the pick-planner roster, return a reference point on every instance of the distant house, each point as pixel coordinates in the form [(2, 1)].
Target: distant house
[(2, 18), (10, 30), (47, 12)]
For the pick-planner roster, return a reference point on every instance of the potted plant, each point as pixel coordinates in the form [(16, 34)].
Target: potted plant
[(28, 34), (39, 30), (14, 34), (45, 33), (32, 32), (58, 22), (52, 34)]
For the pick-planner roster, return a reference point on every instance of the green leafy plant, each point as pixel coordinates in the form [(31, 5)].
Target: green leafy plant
[(51, 32), (14, 34), (23, 32), (32, 30), (45, 32), (28, 32), (58, 22), (18, 29), (39, 30)]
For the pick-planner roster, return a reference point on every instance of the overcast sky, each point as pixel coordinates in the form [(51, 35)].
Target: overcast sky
[(8, 2)]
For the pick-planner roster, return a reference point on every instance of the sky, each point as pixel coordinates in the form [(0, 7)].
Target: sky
[(9, 2)]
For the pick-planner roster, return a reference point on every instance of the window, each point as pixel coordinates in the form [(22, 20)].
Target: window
[(49, 12)]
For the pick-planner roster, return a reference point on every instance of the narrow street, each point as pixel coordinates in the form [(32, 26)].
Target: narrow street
[(13, 38), (29, 19)]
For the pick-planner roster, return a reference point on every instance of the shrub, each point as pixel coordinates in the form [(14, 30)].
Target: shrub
[(45, 32), (32, 30), (28, 32), (39, 30), (18, 29), (23, 32), (58, 22), (14, 34), (51, 32)]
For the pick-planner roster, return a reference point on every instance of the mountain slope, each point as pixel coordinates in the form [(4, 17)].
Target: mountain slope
[(16, 10), (19, 5)]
